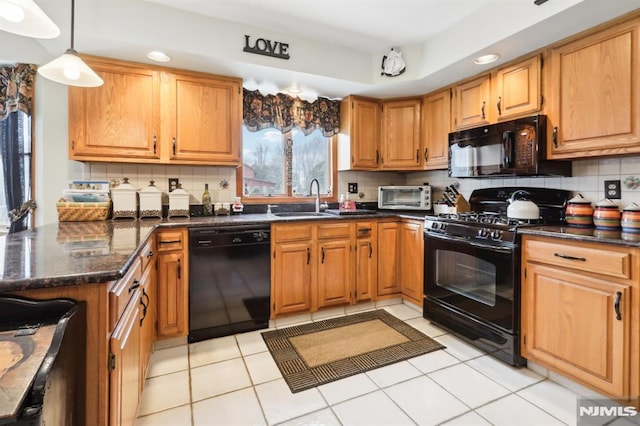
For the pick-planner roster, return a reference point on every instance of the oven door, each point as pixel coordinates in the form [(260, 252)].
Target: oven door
[(474, 279)]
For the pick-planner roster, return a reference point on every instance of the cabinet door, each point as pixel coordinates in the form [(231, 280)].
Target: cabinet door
[(401, 135), (173, 294), (147, 318), (472, 102), (436, 125), (596, 94), (334, 272), (118, 120), (203, 118), (124, 386), (558, 304), (366, 269), (518, 89), (291, 277), (387, 258), (412, 260)]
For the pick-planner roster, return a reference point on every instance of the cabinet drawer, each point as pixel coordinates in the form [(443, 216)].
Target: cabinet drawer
[(334, 230), (148, 252), (292, 232), (365, 229), (121, 292), (170, 240), (614, 261)]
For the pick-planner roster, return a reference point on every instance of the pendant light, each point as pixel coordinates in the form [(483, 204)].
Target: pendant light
[(25, 18), (69, 68)]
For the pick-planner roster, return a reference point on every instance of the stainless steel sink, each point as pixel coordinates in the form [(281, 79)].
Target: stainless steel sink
[(301, 214)]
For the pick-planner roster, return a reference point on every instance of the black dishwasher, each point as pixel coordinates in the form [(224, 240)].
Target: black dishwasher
[(229, 280)]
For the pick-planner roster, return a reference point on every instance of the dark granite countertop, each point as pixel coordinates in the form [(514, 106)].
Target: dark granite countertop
[(74, 253), (590, 234)]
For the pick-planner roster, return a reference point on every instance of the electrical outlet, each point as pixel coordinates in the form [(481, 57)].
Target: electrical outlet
[(173, 183), (612, 189), (352, 187)]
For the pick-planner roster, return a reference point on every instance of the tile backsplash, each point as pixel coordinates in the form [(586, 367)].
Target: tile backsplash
[(588, 179)]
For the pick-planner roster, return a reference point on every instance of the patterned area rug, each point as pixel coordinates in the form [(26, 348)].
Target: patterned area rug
[(313, 354)]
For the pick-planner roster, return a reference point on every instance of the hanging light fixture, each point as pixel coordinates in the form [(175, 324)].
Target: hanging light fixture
[(69, 68), (25, 18)]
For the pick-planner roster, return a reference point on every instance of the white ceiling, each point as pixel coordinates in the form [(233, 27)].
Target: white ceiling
[(336, 46)]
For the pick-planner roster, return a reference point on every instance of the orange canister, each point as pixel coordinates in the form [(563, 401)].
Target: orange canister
[(606, 215), (630, 221), (579, 211)]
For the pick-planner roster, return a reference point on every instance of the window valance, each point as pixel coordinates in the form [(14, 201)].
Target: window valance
[(16, 89), (283, 112)]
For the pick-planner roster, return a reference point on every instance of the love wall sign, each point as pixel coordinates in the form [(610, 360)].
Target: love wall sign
[(261, 46)]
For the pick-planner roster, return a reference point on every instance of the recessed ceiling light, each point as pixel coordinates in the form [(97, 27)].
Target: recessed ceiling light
[(294, 90), (158, 56), (486, 59)]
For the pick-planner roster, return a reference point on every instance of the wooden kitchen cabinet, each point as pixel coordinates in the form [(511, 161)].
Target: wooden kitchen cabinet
[(173, 282), (401, 138), (436, 125), (148, 306), (411, 260), (291, 271), (155, 114), (366, 270), (334, 263), (518, 89), (359, 138), (595, 94), (387, 259), (472, 99), (202, 118), (580, 312), (118, 121)]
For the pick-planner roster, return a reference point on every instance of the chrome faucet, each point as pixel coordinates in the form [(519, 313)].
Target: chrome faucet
[(269, 207), (317, 193)]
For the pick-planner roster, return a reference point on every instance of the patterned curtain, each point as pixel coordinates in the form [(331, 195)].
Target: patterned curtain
[(283, 112), (16, 89)]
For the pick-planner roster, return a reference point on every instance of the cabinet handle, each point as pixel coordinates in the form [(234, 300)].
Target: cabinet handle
[(499, 105), (322, 255), (144, 306), (566, 256), (170, 241), (133, 286), (482, 109), (377, 156), (426, 155), (150, 254), (417, 155), (173, 143), (616, 306), (370, 250), (308, 255), (179, 269), (155, 139), (555, 136)]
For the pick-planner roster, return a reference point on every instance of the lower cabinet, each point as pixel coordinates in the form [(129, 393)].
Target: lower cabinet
[(335, 263), (411, 260), (580, 312), (366, 270), (387, 259), (173, 282)]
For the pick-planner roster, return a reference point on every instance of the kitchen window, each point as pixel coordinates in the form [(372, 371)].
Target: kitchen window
[(287, 142)]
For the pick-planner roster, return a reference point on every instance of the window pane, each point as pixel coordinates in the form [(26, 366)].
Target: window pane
[(310, 160), (263, 163)]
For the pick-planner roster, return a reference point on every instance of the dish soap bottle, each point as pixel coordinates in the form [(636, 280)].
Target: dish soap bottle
[(207, 209)]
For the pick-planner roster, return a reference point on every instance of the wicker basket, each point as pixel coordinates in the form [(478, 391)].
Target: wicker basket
[(83, 212)]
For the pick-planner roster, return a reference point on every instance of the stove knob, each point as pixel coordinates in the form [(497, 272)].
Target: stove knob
[(434, 225), (483, 233), (496, 235), (443, 226)]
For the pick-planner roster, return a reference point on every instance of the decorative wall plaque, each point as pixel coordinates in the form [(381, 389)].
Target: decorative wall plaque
[(261, 46)]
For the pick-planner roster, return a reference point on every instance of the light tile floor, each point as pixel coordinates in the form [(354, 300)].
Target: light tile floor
[(234, 381)]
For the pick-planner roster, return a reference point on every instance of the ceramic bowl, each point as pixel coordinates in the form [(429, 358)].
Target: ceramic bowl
[(630, 220), (606, 215)]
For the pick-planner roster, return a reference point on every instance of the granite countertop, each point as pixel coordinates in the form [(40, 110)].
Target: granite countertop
[(74, 253), (587, 234)]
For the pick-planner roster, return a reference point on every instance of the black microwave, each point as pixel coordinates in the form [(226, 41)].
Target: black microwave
[(510, 148)]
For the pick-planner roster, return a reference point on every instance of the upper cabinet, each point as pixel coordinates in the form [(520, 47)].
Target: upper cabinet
[(595, 94), (518, 89), (157, 115), (401, 139), (359, 138), (118, 119), (472, 100), (436, 125)]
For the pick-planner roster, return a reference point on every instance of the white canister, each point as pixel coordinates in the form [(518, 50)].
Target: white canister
[(178, 203), (150, 201), (124, 197)]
